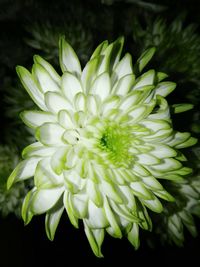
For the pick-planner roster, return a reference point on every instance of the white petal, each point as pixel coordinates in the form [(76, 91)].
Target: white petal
[(80, 102), (58, 159), (45, 199), (52, 219), (123, 68), (50, 134), (71, 137), (35, 118), (68, 58), (92, 104), (147, 159), (44, 79), (45, 177), (48, 68), (111, 219), (55, 102), (165, 88), (24, 170), (31, 87), (101, 86), (146, 79), (70, 85), (37, 150), (65, 118), (124, 85), (96, 216), (79, 205)]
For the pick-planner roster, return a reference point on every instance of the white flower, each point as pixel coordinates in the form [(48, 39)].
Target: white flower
[(104, 139)]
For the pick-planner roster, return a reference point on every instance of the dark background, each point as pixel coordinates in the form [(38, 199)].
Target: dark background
[(29, 246)]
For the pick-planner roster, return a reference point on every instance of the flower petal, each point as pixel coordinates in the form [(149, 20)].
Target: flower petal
[(24, 170), (101, 86), (48, 67), (50, 134), (123, 68), (35, 118), (44, 79), (111, 219), (55, 102), (133, 236), (44, 199), (68, 58), (165, 88), (70, 85), (66, 200), (31, 87), (145, 58), (52, 219), (95, 238)]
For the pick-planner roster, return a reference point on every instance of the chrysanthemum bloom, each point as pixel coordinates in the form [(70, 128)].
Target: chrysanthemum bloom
[(104, 140)]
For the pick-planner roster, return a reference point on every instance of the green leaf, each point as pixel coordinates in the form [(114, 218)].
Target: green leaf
[(178, 108)]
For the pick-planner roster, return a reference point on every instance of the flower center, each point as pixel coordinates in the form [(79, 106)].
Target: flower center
[(116, 141)]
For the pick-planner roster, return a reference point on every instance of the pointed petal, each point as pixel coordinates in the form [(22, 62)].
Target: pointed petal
[(24, 170), (101, 86), (70, 85), (35, 118), (133, 236), (52, 219), (55, 102), (50, 134), (66, 200), (45, 81), (31, 87), (68, 58), (145, 79), (96, 217), (65, 118), (58, 160), (123, 68), (165, 88), (111, 219), (37, 150), (178, 108), (44, 199), (27, 215), (124, 85), (51, 71), (95, 238), (144, 59)]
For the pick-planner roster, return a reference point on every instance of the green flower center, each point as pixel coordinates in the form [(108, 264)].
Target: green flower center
[(116, 141)]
